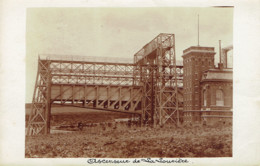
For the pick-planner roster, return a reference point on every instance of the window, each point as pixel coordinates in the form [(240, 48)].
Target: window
[(219, 98), (204, 98)]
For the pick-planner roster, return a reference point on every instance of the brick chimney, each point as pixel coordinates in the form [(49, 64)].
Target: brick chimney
[(221, 66)]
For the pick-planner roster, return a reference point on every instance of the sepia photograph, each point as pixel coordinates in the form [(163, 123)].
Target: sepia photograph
[(129, 82)]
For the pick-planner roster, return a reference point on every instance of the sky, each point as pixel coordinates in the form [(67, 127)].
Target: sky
[(119, 32)]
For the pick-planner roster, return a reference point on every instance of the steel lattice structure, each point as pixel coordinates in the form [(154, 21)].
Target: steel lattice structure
[(148, 87), (155, 64)]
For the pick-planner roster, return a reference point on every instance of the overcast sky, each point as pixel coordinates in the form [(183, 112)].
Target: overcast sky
[(118, 32)]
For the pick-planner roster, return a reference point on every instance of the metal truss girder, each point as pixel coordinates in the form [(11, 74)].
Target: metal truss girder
[(123, 98), (96, 73)]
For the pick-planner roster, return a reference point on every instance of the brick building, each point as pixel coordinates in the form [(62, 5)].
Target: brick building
[(207, 90)]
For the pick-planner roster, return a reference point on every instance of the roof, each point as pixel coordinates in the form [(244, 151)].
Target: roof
[(218, 75), (199, 49)]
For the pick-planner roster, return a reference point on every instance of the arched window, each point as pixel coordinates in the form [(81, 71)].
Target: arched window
[(204, 98), (219, 98)]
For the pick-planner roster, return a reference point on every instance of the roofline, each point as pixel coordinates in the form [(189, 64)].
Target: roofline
[(198, 51), (220, 70), (216, 80)]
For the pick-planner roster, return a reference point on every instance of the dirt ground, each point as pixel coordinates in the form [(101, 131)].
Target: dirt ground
[(122, 141)]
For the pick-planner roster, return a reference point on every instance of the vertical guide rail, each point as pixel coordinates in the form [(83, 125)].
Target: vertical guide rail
[(39, 118), (167, 99), (48, 102), (176, 77), (161, 83)]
